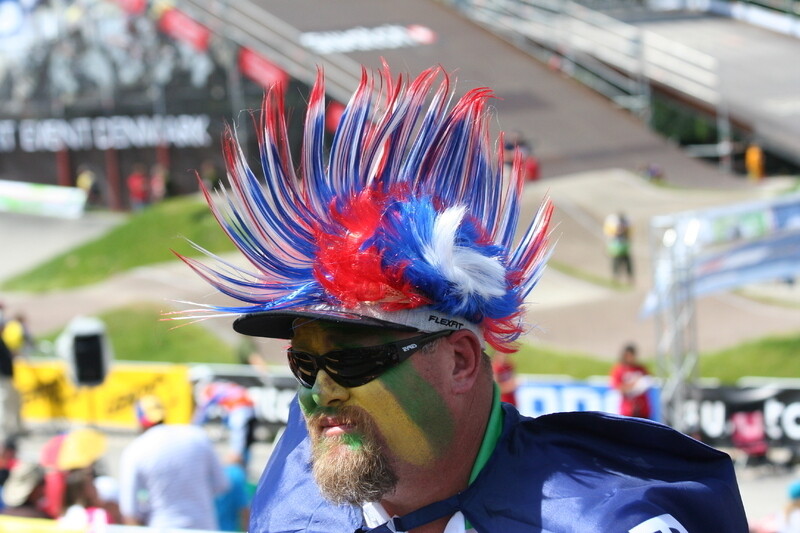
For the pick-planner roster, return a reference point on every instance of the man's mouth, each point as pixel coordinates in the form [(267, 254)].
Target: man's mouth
[(331, 426)]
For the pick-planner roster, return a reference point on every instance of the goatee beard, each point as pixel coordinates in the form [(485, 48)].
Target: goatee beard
[(353, 468)]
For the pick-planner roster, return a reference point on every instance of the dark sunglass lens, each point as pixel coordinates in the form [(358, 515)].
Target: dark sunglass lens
[(303, 367), (356, 362)]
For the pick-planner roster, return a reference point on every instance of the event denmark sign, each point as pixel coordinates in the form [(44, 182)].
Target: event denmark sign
[(101, 133)]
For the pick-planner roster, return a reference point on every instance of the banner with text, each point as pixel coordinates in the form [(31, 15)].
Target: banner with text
[(120, 132), (745, 417), (47, 393)]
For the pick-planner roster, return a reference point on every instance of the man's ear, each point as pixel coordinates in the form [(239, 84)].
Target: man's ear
[(467, 360)]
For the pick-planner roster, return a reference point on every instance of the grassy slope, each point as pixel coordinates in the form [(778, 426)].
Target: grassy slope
[(146, 238)]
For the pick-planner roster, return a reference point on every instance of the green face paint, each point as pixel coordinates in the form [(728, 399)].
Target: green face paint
[(353, 440), (424, 406), (307, 403)]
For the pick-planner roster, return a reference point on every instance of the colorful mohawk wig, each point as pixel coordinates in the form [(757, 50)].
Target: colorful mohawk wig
[(409, 223)]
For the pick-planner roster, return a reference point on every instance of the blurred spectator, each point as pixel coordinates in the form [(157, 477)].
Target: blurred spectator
[(633, 381), (505, 376), (158, 183), (77, 449), (230, 402), (749, 436), (652, 172), (8, 458), (108, 494), (23, 491), (233, 505), (82, 509), (10, 401), (789, 521), (86, 180), (754, 162), (617, 229), (138, 188), (178, 469), (17, 335), (514, 143)]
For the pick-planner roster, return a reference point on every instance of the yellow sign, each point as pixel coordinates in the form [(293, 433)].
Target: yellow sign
[(10, 524), (48, 393)]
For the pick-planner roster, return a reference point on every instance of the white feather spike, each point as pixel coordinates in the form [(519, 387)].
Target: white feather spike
[(470, 272)]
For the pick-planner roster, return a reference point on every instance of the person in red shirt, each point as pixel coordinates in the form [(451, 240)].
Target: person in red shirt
[(138, 188), (505, 376), (632, 380)]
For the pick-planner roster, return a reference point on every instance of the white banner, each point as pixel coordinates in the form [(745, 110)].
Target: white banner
[(40, 199)]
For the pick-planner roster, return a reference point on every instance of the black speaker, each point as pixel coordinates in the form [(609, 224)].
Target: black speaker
[(89, 362)]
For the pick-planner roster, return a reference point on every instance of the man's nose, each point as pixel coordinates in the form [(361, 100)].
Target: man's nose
[(326, 392)]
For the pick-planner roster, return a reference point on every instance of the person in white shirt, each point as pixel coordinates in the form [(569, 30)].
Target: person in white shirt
[(170, 474)]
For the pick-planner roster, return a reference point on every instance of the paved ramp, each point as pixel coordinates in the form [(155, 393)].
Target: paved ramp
[(572, 128)]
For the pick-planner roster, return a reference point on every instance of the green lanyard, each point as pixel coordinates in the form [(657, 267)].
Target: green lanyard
[(492, 435), (490, 438)]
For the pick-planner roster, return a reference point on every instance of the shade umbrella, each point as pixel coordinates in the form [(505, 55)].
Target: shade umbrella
[(78, 448)]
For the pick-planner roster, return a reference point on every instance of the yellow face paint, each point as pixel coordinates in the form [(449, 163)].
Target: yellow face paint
[(410, 415), (405, 438)]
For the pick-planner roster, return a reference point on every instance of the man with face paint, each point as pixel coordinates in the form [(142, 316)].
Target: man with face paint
[(390, 266)]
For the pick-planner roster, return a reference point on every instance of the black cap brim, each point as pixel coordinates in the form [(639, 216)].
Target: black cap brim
[(278, 324)]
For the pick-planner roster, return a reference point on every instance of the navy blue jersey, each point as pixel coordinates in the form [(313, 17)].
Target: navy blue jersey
[(559, 473)]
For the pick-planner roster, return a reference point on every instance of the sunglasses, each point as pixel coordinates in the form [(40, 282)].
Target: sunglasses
[(354, 367)]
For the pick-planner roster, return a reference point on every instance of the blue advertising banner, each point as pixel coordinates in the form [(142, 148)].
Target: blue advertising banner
[(536, 397)]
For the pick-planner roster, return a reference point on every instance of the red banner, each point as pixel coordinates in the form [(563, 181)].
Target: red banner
[(134, 7), (183, 28), (260, 69)]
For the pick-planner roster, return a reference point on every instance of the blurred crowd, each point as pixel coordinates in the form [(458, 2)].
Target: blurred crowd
[(169, 475)]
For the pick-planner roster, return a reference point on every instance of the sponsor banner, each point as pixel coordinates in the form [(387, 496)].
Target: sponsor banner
[(749, 418), (120, 132), (40, 199), (770, 258), (730, 246), (731, 223), (386, 37), (182, 27), (537, 396), (47, 393), (260, 69)]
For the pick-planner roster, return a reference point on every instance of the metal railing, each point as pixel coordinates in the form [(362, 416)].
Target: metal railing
[(250, 25), (618, 60), (581, 35)]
